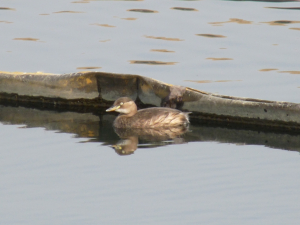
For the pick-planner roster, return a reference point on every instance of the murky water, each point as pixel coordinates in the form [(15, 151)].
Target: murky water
[(60, 167)]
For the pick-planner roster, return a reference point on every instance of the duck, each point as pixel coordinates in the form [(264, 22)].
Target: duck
[(130, 117)]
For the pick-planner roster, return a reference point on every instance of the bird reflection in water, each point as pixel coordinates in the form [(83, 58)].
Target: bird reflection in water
[(159, 136)]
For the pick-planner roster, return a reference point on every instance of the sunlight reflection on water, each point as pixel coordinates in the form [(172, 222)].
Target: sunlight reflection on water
[(114, 34)]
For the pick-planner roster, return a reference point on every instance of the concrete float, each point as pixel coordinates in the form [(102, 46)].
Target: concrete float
[(94, 90)]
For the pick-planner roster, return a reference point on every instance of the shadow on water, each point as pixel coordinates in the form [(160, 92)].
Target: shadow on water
[(97, 127)]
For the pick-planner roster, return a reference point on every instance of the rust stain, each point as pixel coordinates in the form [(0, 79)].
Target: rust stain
[(88, 81), (294, 28), (90, 133), (164, 38)]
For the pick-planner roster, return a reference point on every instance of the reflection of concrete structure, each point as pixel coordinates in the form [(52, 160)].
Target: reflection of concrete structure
[(97, 127), (98, 89)]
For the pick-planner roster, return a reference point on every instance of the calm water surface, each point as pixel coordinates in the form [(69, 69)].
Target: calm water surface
[(62, 167)]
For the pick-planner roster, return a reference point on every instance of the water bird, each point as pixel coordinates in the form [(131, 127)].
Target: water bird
[(130, 117)]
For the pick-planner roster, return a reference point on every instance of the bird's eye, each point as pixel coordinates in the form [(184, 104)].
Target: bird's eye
[(121, 103)]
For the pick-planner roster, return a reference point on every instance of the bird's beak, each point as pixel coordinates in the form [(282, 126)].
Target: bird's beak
[(113, 108)]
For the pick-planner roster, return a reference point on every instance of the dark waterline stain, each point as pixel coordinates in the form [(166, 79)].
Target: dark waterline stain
[(151, 62), (142, 10), (211, 35), (184, 9), (164, 38)]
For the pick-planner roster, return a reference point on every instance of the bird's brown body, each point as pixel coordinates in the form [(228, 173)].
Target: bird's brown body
[(130, 117)]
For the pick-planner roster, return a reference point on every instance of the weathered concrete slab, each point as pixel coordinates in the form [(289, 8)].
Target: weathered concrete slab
[(68, 86), (99, 89)]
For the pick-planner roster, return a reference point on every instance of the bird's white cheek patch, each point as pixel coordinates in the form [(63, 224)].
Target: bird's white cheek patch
[(125, 111)]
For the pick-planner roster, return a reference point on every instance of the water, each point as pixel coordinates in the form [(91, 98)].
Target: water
[(59, 167), (69, 36), (52, 179)]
